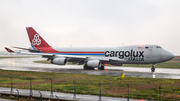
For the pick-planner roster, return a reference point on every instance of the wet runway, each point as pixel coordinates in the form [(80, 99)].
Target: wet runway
[(26, 64)]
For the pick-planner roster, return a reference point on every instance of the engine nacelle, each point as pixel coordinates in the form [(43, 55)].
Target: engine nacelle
[(59, 61), (94, 63)]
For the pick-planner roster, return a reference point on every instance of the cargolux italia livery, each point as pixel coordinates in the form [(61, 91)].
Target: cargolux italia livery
[(99, 57)]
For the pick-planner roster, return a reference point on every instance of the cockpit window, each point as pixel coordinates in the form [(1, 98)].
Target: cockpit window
[(158, 46)]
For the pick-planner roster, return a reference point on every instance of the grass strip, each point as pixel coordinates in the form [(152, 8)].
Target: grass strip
[(114, 86)]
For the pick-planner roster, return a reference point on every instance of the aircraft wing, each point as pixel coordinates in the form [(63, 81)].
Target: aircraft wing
[(78, 59), (30, 50)]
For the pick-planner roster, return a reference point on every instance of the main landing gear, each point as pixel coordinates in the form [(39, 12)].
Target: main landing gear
[(87, 68), (92, 68), (153, 68)]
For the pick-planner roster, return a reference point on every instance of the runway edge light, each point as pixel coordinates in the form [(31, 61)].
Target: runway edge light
[(123, 75)]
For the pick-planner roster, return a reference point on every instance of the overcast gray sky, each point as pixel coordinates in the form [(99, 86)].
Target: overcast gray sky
[(92, 23)]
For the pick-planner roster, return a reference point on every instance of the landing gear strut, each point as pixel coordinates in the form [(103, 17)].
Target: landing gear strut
[(153, 68)]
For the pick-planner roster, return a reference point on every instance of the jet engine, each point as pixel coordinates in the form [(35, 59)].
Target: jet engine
[(59, 61), (94, 63)]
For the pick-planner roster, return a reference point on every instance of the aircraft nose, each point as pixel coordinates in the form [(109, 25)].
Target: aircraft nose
[(167, 55)]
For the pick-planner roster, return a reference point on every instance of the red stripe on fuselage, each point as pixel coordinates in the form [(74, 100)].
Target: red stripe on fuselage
[(51, 50)]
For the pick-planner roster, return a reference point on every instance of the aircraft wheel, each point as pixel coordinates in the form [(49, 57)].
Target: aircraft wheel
[(87, 68)]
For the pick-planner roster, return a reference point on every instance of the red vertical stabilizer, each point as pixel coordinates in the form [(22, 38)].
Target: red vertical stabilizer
[(35, 39)]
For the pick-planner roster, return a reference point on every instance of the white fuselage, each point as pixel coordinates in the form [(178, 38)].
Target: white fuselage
[(134, 54)]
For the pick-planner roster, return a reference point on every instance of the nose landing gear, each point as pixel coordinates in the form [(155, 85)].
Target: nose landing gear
[(153, 68)]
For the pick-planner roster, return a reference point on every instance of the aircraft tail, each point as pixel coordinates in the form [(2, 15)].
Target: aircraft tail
[(35, 39), (9, 50)]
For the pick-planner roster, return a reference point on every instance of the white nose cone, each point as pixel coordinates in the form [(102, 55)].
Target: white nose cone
[(167, 55)]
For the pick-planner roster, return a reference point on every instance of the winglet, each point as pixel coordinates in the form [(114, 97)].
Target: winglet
[(9, 50)]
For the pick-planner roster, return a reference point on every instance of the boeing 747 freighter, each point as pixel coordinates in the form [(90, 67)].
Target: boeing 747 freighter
[(99, 57)]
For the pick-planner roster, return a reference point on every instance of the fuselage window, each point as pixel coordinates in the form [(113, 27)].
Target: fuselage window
[(158, 46), (139, 47)]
